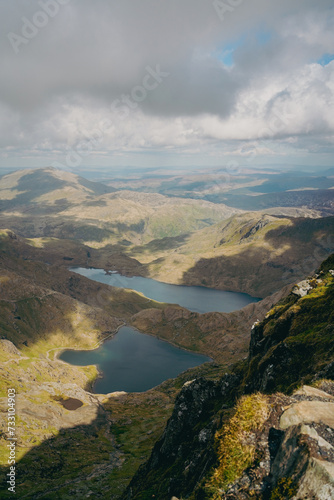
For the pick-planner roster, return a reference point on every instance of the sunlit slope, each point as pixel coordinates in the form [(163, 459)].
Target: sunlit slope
[(53, 203)]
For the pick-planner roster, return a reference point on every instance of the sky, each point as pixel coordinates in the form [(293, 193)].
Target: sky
[(113, 83)]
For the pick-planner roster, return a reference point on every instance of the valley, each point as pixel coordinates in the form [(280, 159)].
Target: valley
[(94, 443)]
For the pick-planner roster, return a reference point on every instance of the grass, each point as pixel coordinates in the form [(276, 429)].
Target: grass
[(140, 420), (297, 340), (76, 461), (234, 451), (285, 489)]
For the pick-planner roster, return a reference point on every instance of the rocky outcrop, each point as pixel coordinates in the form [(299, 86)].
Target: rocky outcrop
[(305, 458), (294, 343), (185, 453), (302, 288), (294, 450), (8, 347)]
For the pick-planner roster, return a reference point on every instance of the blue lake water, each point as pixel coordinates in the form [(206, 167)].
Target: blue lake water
[(134, 362), (195, 298)]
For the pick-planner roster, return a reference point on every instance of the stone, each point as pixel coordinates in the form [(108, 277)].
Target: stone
[(307, 390), (8, 346), (302, 288), (307, 412), (310, 431), (318, 481), (189, 382)]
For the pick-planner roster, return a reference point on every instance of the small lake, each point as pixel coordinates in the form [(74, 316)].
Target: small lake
[(195, 298), (134, 362)]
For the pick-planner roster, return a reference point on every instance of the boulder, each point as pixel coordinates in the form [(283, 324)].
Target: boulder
[(302, 288), (304, 412), (9, 347)]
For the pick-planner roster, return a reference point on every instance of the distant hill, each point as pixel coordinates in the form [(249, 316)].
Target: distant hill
[(246, 188), (321, 199), (53, 203), (37, 188), (177, 240)]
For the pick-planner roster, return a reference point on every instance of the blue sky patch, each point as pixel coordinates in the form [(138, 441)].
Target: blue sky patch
[(325, 59), (263, 37), (225, 54)]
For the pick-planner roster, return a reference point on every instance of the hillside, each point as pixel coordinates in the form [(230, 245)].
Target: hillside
[(253, 253), (53, 203), (225, 440), (98, 445), (43, 309), (37, 188), (92, 445), (224, 336)]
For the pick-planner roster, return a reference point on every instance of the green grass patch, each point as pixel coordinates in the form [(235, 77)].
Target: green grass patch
[(234, 453)]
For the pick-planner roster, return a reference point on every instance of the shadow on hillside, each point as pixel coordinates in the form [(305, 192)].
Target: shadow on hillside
[(68, 458), (41, 182), (304, 230), (295, 252), (39, 319), (32, 186), (35, 208), (37, 225), (167, 243), (34, 223)]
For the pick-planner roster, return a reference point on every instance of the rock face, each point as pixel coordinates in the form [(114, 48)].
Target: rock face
[(185, 453), (308, 412), (306, 454), (294, 343), (294, 450), (295, 455)]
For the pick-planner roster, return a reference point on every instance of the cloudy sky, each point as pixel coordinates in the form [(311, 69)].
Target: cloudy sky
[(166, 82)]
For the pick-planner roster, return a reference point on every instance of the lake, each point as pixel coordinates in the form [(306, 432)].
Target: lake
[(134, 362), (195, 298)]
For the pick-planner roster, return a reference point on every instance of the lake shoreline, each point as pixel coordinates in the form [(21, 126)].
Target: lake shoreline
[(198, 299), (152, 370)]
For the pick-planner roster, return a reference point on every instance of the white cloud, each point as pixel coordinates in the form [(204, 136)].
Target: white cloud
[(58, 90)]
